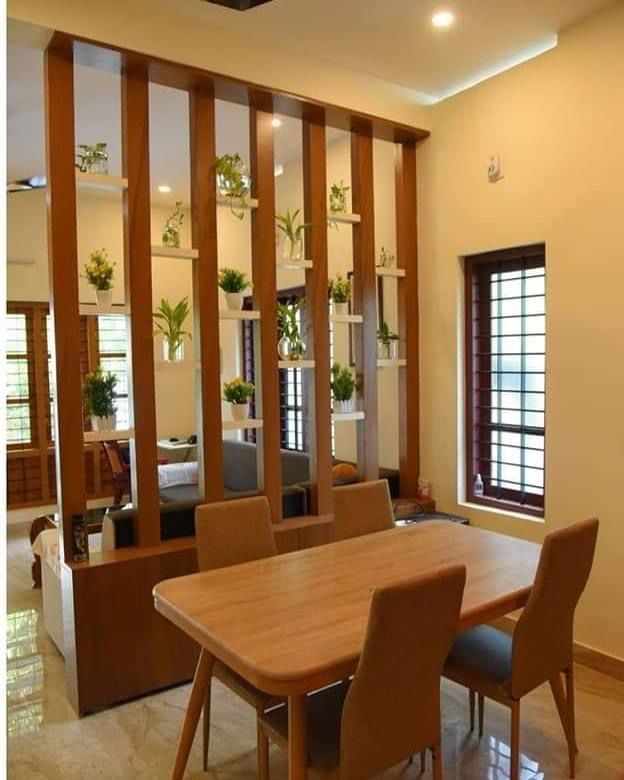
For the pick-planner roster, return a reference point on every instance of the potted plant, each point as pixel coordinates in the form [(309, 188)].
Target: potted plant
[(233, 181), (171, 230), (233, 283), (387, 342), (340, 293), (386, 259), (292, 234), (290, 346), (92, 158), (237, 393), (169, 321), (338, 197), (99, 272), (343, 387), (98, 392)]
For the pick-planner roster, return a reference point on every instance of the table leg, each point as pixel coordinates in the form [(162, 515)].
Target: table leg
[(297, 738), (193, 711)]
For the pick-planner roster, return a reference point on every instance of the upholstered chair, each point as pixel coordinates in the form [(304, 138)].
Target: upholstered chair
[(363, 508)]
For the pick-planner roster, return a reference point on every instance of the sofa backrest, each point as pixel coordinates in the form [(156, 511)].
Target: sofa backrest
[(177, 519), (240, 469)]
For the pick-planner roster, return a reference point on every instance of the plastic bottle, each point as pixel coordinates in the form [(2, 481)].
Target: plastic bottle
[(478, 485)]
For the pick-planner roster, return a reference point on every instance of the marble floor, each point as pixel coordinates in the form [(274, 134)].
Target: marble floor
[(137, 740)]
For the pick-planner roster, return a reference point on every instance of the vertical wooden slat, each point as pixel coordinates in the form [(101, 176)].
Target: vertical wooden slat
[(265, 297), (138, 274), (407, 258), (318, 391), (205, 290), (365, 298), (63, 254)]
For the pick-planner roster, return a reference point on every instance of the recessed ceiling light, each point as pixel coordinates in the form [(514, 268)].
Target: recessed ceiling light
[(164, 188), (276, 122), (442, 19)]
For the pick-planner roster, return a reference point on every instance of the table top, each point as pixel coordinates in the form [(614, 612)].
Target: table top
[(295, 622)]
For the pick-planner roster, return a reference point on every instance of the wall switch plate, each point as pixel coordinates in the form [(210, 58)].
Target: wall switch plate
[(495, 169)]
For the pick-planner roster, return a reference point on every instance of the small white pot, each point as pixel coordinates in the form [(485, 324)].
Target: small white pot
[(343, 407), (240, 411), (104, 298), (104, 423), (341, 308), (234, 301)]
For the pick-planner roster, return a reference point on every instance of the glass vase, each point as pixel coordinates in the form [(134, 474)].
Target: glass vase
[(172, 352)]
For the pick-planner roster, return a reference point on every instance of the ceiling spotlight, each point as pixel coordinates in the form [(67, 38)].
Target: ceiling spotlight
[(276, 122), (164, 188), (442, 19), (279, 170)]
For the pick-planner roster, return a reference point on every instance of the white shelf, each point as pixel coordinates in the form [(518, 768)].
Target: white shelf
[(295, 265), (173, 251), (296, 363), (101, 181), (94, 436), (239, 314), (177, 365), (349, 318), (236, 203), (343, 216), (241, 425), (347, 416), (391, 363), (93, 310), (398, 273)]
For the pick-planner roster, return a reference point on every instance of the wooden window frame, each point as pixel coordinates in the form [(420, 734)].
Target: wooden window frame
[(477, 271)]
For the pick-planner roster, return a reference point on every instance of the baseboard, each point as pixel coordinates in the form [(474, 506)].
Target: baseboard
[(586, 656)]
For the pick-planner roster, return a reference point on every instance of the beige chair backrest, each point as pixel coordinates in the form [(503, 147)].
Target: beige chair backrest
[(362, 508), (392, 709), (542, 643), (230, 532)]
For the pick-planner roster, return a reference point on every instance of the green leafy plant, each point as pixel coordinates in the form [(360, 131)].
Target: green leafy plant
[(288, 227), (338, 197), (232, 280), (169, 321), (340, 289), (342, 382), (288, 318), (237, 391), (171, 230), (385, 335), (99, 270), (92, 158), (386, 259), (233, 181), (98, 392)]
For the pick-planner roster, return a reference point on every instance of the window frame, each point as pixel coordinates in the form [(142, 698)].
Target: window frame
[(30, 401), (484, 265)]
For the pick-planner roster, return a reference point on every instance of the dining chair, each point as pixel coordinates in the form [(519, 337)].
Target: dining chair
[(119, 469), (391, 708), (363, 508), (228, 533), (505, 668)]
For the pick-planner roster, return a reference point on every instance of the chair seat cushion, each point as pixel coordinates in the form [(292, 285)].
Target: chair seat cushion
[(481, 659), (324, 709), (249, 693)]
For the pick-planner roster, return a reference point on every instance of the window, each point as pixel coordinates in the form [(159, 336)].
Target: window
[(112, 346), (505, 377), (19, 384)]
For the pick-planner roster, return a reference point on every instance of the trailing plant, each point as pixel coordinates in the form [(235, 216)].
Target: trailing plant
[(171, 230), (342, 382), (232, 280), (288, 227), (340, 289), (169, 322), (237, 391), (233, 181), (288, 317), (386, 259), (99, 270), (92, 156), (98, 392), (338, 197), (385, 335)]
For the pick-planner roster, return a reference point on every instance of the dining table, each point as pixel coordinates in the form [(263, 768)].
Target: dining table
[(296, 622)]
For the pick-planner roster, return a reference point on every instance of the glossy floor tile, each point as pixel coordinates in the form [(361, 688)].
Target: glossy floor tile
[(138, 739)]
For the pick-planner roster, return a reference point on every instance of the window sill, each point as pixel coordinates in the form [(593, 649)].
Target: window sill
[(500, 511)]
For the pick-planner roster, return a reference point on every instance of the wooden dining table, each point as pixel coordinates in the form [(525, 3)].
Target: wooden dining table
[(296, 622)]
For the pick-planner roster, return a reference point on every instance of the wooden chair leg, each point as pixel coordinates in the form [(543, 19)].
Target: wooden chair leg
[(263, 753), (481, 698), (423, 761), (471, 707), (206, 726), (572, 746), (436, 752), (514, 770)]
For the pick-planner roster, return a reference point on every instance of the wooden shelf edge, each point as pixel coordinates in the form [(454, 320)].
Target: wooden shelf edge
[(177, 252), (242, 425), (296, 364), (101, 181), (95, 436), (238, 314), (347, 416), (235, 203)]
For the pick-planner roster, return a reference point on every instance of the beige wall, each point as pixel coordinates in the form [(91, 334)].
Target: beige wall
[(557, 122)]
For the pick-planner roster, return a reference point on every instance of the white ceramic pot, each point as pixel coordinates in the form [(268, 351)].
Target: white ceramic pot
[(341, 308), (234, 301), (240, 411), (343, 407), (104, 298), (104, 423)]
